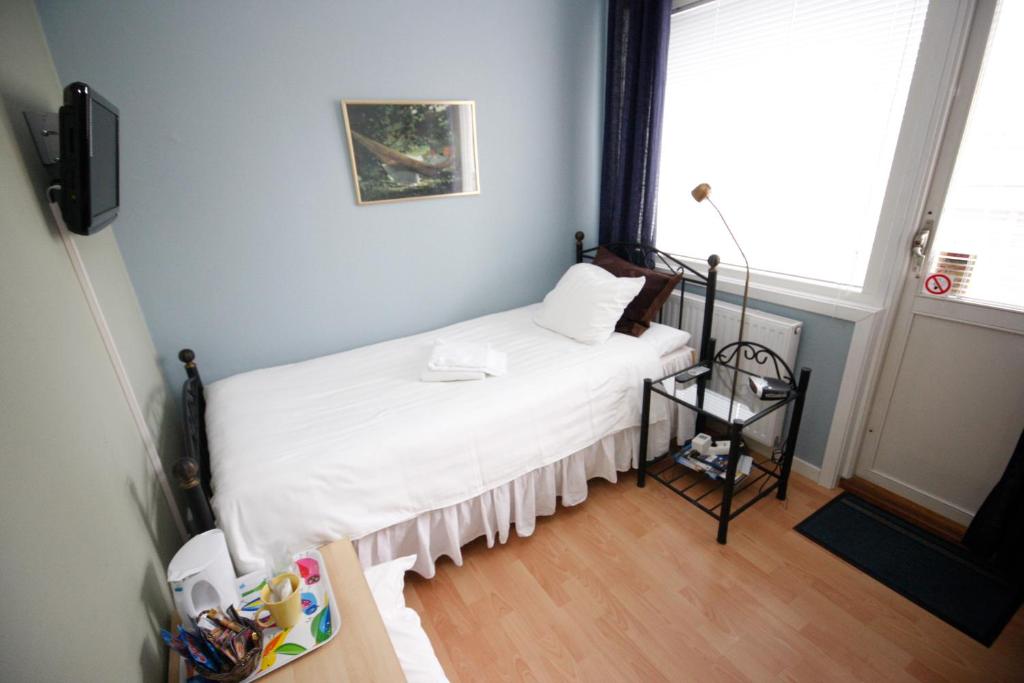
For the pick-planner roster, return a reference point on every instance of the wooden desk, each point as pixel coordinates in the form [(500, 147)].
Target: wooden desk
[(360, 652)]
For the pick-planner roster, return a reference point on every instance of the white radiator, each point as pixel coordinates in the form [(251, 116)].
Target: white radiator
[(781, 335)]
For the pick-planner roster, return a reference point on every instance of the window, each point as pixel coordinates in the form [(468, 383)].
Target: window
[(791, 111), (980, 240)]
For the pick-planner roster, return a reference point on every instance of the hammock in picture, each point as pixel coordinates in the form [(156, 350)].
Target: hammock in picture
[(390, 157)]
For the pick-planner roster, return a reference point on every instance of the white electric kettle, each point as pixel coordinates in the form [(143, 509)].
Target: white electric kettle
[(202, 576)]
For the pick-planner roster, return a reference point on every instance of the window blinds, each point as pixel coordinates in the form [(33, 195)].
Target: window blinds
[(790, 109)]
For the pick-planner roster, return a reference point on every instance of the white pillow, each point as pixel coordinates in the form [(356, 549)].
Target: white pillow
[(587, 302), (665, 339), (415, 653)]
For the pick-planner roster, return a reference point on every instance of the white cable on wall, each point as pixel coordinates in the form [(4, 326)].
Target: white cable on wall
[(115, 359)]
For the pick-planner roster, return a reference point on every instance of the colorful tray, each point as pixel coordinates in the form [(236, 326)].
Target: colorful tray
[(320, 619)]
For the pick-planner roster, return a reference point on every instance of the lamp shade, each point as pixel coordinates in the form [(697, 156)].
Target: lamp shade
[(701, 192)]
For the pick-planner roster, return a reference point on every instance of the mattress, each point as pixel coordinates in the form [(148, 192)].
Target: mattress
[(352, 443)]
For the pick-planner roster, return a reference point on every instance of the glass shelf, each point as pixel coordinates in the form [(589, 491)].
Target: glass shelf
[(746, 407), (715, 404)]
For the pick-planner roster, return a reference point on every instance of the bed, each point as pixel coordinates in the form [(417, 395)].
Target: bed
[(353, 444)]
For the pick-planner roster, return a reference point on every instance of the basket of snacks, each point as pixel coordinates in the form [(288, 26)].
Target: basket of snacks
[(221, 647)]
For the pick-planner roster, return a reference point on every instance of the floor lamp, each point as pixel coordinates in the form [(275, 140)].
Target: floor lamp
[(700, 193)]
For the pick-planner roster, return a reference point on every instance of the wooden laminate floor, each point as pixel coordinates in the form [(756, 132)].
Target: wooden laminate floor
[(631, 585)]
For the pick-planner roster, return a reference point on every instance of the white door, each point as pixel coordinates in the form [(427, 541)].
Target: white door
[(949, 406)]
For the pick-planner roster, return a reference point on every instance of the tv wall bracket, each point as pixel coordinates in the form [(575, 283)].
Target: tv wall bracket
[(45, 129)]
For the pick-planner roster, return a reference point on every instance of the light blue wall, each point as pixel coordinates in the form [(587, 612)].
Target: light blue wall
[(238, 223), (824, 345), (239, 226)]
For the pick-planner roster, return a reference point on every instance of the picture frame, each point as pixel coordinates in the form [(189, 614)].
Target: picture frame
[(403, 150)]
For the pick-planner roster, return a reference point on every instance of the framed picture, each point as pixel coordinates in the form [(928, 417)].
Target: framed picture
[(404, 150)]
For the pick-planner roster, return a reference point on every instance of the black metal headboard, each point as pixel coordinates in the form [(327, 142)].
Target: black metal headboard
[(193, 469), (652, 257)]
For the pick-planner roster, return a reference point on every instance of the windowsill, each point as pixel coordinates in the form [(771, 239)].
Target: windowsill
[(833, 301)]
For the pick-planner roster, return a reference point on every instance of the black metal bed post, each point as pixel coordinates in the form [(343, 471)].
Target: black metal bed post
[(735, 429), (707, 342), (794, 432), (645, 415), (188, 357), (187, 472), (579, 246), (682, 301), (192, 469), (710, 289), (201, 447)]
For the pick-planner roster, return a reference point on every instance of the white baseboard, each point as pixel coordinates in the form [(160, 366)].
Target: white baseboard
[(806, 469)]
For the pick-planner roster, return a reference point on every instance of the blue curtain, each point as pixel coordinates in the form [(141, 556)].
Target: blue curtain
[(638, 32)]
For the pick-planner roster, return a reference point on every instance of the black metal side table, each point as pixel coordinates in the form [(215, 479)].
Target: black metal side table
[(705, 388)]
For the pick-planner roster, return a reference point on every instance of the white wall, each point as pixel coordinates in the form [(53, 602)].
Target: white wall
[(84, 531)]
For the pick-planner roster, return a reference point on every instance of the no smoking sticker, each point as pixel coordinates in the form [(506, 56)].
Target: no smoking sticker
[(938, 284)]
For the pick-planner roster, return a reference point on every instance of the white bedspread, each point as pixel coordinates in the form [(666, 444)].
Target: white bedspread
[(351, 443)]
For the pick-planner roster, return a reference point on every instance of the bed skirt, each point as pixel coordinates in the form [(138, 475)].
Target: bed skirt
[(519, 502)]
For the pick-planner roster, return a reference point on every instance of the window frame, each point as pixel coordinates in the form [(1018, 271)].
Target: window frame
[(928, 102)]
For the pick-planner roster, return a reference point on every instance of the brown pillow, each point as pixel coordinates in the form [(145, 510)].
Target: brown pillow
[(637, 317)]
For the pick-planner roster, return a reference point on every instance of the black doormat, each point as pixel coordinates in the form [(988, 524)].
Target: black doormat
[(937, 575)]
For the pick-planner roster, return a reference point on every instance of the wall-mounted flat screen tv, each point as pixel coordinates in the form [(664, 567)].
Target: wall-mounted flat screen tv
[(89, 173)]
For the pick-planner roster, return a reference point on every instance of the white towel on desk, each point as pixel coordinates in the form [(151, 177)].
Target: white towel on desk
[(467, 357)]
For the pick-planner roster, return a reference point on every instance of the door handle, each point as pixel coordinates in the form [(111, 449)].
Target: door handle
[(920, 244)]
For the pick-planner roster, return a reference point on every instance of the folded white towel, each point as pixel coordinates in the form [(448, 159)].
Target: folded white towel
[(467, 357), (464, 355), (429, 375)]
